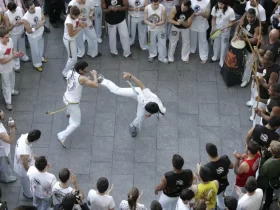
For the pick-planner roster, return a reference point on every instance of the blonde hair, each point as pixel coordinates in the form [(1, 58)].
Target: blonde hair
[(275, 148)]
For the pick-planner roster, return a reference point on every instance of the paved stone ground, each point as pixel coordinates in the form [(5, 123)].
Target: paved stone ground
[(200, 109)]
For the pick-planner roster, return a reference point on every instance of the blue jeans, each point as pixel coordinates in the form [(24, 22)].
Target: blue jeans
[(41, 203)]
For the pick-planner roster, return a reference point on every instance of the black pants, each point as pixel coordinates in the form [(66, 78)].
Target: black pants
[(54, 8), (268, 198)]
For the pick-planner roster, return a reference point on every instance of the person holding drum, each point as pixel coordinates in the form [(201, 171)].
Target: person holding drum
[(249, 25), (222, 16)]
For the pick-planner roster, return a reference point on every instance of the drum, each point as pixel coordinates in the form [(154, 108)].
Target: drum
[(233, 68)]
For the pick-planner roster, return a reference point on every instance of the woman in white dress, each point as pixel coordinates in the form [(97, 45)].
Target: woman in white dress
[(131, 202)]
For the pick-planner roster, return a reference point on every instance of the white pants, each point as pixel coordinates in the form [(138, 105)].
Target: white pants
[(71, 49), (25, 183), (157, 44), (220, 201), (124, 37), (74, 120), (6, 169), (91, 38), (220, 49), (203, 47), (247, 71), (167, 203), (19, 45), (8, 85), (37, 50), (127, 92), (173, 40), (137, 22), (98, 21), (167, 24)]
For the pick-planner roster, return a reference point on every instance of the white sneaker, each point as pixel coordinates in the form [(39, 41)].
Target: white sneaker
[(249, 103), (99, 40), (165, 61), (243, 84), (251, 118)]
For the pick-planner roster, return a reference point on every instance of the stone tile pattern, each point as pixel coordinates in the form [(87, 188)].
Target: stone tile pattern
[(200, 109)]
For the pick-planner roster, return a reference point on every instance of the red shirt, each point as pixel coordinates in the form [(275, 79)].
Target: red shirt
[(253, 167)]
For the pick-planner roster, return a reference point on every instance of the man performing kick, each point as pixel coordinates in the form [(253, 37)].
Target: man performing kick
[(72, 97), (148, 102)]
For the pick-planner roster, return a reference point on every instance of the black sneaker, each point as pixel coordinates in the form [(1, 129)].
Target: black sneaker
[(133, 131), (46, 29), (98, 55), (100, 78)]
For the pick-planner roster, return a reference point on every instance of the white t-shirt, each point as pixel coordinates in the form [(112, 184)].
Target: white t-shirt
[(181, 206), (100, 202), (59, 192), (6, 51), (125, 206), (13, 18), (84, 9), (33, 20), (222, 20), (4, 146), (75, 24), (260, 8), (199, 23), (40, 182), (252, 202), (22, 148), (155, 16), (136, 4), (4, 8)]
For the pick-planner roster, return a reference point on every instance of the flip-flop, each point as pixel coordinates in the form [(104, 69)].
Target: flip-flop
[(62, 143)]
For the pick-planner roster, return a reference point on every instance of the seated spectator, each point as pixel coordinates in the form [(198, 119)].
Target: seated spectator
[(230, 203), (132, 201), (186, 200)]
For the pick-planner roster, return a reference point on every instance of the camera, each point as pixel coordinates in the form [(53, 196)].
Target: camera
[(77, 195)]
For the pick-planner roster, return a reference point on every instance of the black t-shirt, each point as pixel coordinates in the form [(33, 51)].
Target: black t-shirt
[(249, 29), (239, 8), (272, 102), (112, 17), (267, 71), (182, 15), (274, 48), (263, 136)]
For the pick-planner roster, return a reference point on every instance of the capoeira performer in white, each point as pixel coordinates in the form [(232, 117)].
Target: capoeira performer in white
[(136, 20), (34, 21), (14, 24), (115, 18), (181, 19), (4, 4), (72, 27), (155, 18), (148, 102), (72, 97), (168, 4), (87, 15), (199, 28), (222, 16), (98, 20)]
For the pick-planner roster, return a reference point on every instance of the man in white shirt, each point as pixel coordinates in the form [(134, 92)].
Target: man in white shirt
[(7, 56), (186, 200), (100, 199), (4, 4), (41, 183), (260, 11), (6, 171), (253, 198), (24, 158), (148, 102), (14, 24)]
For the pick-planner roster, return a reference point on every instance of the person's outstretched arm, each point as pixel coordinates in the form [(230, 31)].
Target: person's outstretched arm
[(127, 75)]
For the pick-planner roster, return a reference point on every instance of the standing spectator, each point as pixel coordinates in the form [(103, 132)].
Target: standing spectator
[(24, 158), (260, 11), (100, 199), (155, 205), (230, 203), (7, 56), (253, 198), (132, 201), (14, 24), (169, 4), (54, 10), (4, 4), (219, 167), (34, 21), (6, 140), (173, 182), (186, 200), (41, 183)]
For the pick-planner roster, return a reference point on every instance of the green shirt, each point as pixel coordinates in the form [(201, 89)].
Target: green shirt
[(269, 170)]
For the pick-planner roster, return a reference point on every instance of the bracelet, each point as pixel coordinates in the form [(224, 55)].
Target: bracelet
[(33, 30)]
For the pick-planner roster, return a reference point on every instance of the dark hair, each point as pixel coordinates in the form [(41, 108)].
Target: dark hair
[(269, 55), (205, 174), (251, 184), (132, 197), (253, 147), (200, 205), (102, 184), (3, 32), (187, 3), (251, 11), (177, 162), (211, 149), (80, 65), (189, 177), (29, 4), (154, 1), (33, 135), (230, 202), (274, 121), (11, 6), (152, 107), (225, 7), (68, 201), (186, 194), (41, 163), (275, 87), (73, 10), (25, 207), (64, 175), (155, 205)]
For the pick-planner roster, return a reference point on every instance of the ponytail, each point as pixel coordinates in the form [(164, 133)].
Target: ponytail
[(132, 198), (131, 202)]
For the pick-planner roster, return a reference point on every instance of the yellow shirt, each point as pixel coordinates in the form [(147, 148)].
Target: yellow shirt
[(208, 193)]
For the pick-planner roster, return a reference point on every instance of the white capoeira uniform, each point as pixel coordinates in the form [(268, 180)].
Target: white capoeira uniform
[(17, 35), (70, 44), (7, 72), (89, 31), (157, 35), (168, 4), (198, 30), (221, 43), (36, 39), (175, 33), (4, 4), (23, 148), (72, 98), (136, 20), (143, 97), (114, 21), (98, 19)]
